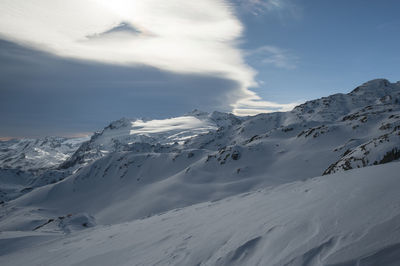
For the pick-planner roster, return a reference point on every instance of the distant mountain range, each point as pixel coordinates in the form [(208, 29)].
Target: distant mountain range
[(35, 154)]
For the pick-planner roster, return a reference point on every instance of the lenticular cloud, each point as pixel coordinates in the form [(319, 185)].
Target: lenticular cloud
[(176, 35)]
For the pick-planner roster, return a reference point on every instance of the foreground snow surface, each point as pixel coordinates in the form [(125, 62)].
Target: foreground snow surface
[(348, 218)]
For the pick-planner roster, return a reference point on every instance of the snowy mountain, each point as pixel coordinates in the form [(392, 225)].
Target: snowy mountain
[(29, 163), (34, 154), (135, 135), (134, 175)]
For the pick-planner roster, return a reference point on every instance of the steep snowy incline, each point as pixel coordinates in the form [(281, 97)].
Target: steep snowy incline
[(34, 154), (350, 218), (328, 128), (331, 108)]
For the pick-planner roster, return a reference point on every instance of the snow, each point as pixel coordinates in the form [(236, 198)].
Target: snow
[(350, 218), (214, 189), (33, 154), (29, 163)]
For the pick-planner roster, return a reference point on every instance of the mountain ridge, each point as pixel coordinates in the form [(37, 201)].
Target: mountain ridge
[(318, 134)]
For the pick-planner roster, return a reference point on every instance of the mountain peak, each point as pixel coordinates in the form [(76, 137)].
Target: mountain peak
[(196, 112), (373, 85), (123, 122)]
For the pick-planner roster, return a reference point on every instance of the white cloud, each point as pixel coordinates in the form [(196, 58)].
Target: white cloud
[(282, 9), (175, 35), (275, 56), (259, 7), (171, 124), (255, 105)]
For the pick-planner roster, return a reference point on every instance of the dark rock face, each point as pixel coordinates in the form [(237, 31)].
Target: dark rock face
[(235, 155), (390, 156)]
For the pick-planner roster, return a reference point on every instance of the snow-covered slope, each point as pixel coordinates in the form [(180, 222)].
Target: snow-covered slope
[(29, 163), (350, 218), (34, 154)]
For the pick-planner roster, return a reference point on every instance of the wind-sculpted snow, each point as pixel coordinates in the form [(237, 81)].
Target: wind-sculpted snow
[(349, 218)]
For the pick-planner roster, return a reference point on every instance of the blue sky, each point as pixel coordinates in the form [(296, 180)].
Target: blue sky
[(69, 68), (330, 46)]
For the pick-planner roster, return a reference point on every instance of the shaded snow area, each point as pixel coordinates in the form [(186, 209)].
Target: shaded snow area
[(351, 218), (313, 186)]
